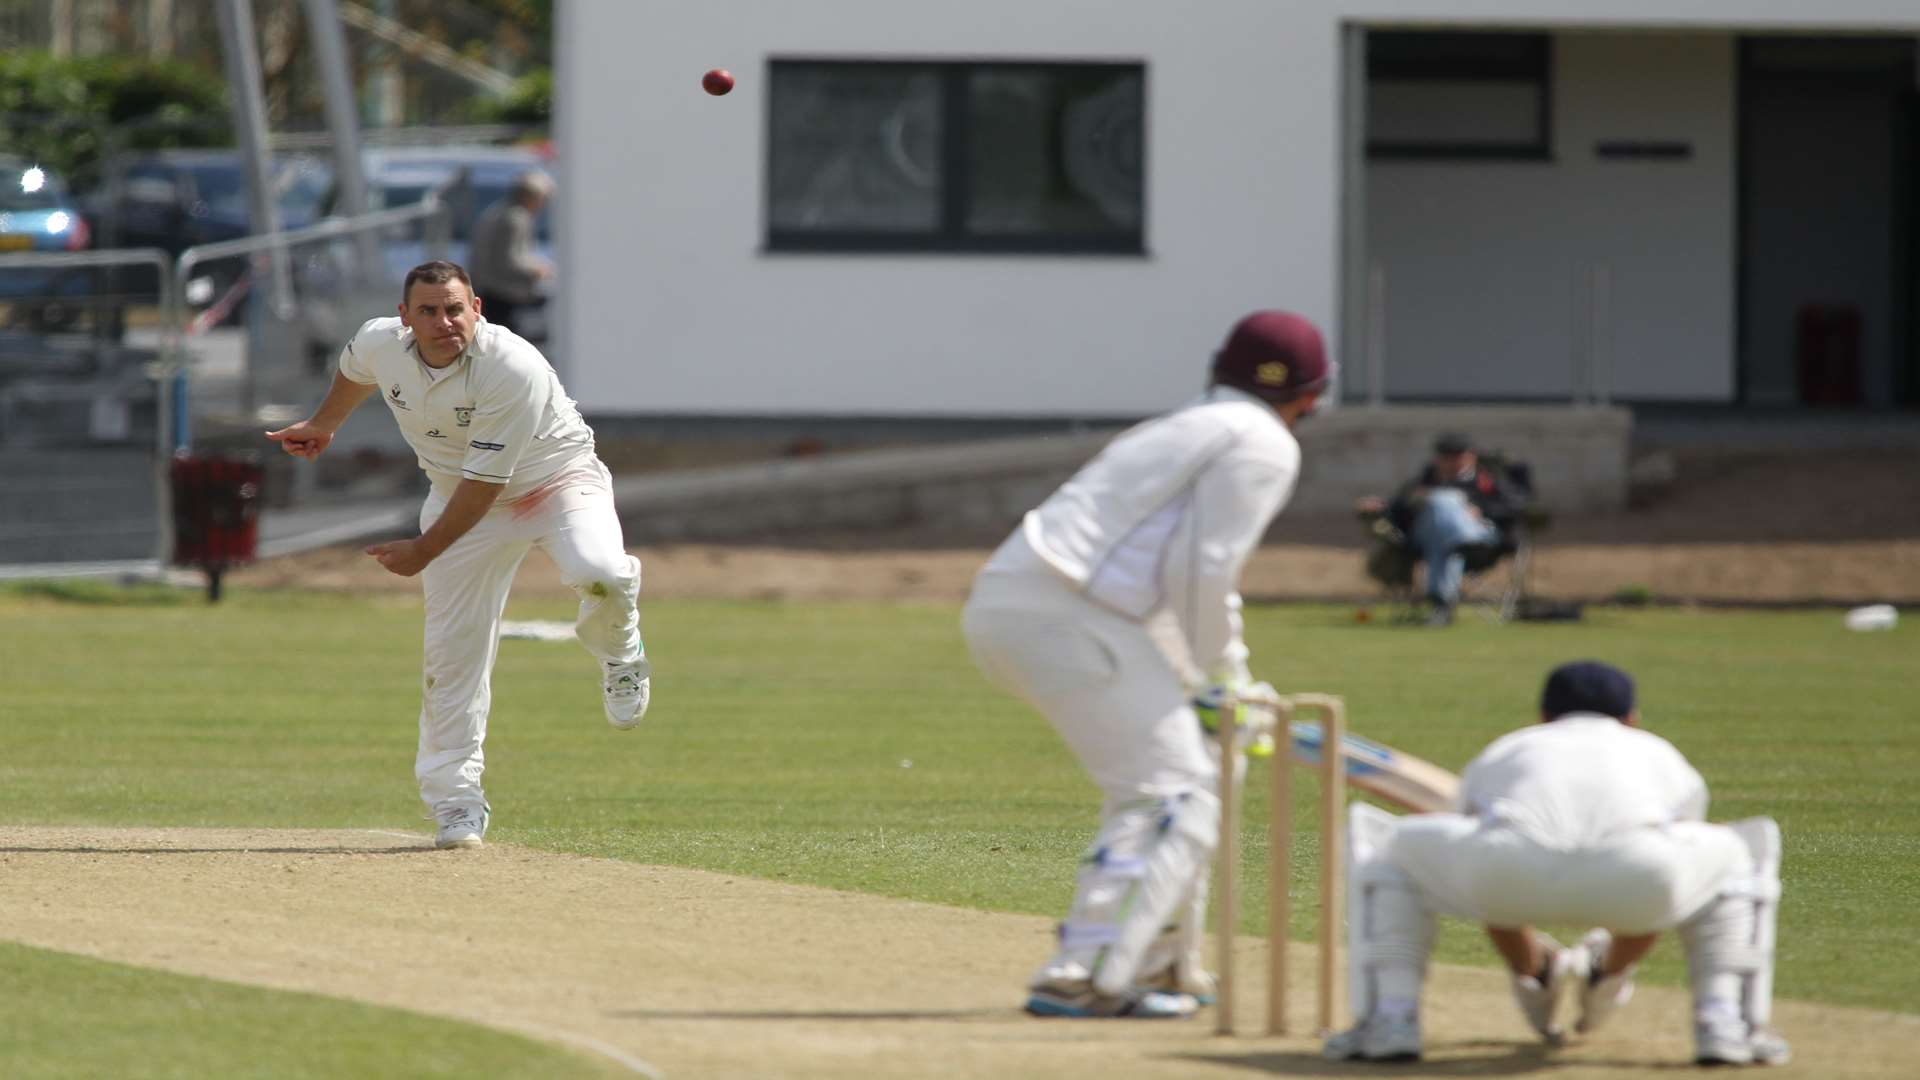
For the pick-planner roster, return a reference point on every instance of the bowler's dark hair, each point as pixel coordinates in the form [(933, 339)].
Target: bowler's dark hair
[(437, 272)]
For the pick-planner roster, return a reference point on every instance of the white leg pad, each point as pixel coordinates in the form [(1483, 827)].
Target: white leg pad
[(1734, 933), (1142, 868), (1389, 926)]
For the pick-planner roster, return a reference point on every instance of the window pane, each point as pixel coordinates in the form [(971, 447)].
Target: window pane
[(1056, 150), (1454, 112), (854, 147)]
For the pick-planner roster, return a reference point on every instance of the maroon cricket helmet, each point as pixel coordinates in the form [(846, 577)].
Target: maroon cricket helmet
[(1274, 355)]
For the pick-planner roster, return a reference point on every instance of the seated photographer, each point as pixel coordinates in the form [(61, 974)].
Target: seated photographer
[(1454, 503)]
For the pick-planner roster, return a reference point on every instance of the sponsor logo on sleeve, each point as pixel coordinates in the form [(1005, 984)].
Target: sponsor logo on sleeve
[(478, 445), (394, 399)]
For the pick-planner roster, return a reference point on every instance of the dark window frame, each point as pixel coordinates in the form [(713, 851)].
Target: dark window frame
[(1507, 56), (951, 236)]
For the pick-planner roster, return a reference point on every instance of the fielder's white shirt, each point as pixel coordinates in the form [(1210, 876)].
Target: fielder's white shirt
[(1580, 781), (1161, 521), (497, 414)]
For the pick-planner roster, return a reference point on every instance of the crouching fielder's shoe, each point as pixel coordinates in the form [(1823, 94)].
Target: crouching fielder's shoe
[(1377, 1038), (625, 693), (1601, 995), (1077, 999), (1542, 997)]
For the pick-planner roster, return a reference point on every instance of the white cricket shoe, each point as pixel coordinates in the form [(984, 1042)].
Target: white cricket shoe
[(1601, 995), (461, 828), (1377, 1038), (1077, 999), (1541, 1002), (626, 691), (1721, 1036)]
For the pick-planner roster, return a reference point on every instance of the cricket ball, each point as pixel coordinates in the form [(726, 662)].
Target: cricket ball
[(717, 82)]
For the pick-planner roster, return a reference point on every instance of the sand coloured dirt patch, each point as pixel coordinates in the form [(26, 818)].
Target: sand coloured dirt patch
[(686, 973)]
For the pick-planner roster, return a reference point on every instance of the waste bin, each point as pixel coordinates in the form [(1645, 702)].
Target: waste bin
[(216, 513)]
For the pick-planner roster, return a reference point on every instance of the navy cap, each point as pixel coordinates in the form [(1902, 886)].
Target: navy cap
[(1587, 686), (1452, 442)]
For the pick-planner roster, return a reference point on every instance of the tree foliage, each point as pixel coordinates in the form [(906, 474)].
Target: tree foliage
[(70, 114)]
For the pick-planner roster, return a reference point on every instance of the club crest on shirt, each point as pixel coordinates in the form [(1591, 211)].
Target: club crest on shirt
[(394, 399), (463, 415)]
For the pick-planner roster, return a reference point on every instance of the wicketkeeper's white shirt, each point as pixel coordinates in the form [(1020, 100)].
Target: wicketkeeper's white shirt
[(1581, 781), (497, 414)]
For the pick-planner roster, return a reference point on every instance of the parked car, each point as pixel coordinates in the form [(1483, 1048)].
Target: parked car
[(37, 213), (177, 199)]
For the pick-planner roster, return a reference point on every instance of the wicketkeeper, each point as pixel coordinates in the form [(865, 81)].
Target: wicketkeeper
[(1582, 819), (1111, 609)]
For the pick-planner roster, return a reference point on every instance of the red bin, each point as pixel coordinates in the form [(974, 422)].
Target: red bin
[(216, 513)]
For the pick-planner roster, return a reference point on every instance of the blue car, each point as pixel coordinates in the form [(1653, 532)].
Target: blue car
[(37, 214)]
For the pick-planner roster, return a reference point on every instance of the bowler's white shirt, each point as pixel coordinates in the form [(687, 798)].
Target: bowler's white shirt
[(1163, 519), (496, 414), (1581, 781)]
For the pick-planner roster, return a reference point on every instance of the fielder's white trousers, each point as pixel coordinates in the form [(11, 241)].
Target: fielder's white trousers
[(572, 519), (1642, 881)]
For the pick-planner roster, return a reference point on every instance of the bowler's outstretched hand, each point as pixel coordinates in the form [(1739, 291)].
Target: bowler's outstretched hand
[(302, 440)]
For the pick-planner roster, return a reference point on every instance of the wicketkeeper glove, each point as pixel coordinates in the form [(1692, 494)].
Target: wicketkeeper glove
[(1253, 727)]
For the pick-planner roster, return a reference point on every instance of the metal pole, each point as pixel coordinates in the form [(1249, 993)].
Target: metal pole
[(237, 40), (343, 123), (1600, 390), (1355, 296), (1581, 340), (1376, 336)]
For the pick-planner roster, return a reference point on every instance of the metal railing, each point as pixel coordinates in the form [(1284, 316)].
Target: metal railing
[(163, 370)]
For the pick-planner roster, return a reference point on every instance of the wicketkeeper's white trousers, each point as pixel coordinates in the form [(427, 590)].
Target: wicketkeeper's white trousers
[(573, 520), (1114, 697), (1645, 880)]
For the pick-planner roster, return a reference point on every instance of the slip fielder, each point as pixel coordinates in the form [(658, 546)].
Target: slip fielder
[(1581, 819)]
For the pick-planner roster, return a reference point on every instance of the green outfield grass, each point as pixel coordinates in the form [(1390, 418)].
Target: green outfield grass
[(69, 1016), (854, 746)]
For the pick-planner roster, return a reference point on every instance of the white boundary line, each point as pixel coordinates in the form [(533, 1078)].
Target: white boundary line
[(568, 1038)]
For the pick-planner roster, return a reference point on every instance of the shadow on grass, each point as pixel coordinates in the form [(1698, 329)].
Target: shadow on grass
[(108, 849), (1496, 1059), (100, 593), (810, 1015)]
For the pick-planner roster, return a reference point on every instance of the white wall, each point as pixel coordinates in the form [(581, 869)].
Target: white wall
[(670, 305), (1485, 262)]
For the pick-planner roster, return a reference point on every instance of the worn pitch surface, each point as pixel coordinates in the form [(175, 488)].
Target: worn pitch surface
[(693, 974)]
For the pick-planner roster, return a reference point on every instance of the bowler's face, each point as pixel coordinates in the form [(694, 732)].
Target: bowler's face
[(1453, 464), (442, 319)]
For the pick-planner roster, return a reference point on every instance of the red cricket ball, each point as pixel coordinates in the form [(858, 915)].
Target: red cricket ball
[(717, 82)]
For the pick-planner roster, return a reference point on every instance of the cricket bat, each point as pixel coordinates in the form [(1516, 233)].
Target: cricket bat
[(1401, 779)]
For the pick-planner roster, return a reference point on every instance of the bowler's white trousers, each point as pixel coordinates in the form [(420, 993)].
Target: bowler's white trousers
[(573, 520), (1644, 880)]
